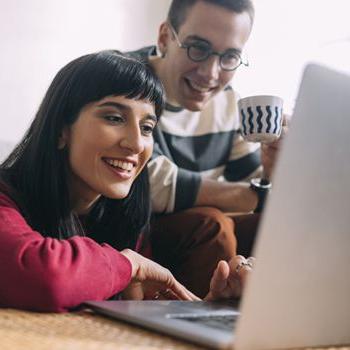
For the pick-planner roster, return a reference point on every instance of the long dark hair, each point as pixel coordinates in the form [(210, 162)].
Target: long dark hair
[(34, 173)]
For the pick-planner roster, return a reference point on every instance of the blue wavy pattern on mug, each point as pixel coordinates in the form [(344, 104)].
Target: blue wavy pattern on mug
[(244, 122), (268, 118), (258, 118), (250, 120), (276, 120)]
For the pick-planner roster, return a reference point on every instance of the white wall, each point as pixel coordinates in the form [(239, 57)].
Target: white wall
[(38, 37), (286, 35)]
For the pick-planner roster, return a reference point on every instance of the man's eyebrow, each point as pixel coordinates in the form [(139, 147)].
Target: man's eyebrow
[(123, 107), (198, 38)]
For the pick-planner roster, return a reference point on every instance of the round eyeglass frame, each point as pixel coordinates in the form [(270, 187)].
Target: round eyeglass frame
[(210, 52)]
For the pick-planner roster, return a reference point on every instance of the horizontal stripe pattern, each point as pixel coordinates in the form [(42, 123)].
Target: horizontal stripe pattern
[(218, 116), (187, 182), (190, 146), (196, 153), (241, 168)]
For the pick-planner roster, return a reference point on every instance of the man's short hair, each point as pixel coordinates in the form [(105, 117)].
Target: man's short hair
[(178, 9)]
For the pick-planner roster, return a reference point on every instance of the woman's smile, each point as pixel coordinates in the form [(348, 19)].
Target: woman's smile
[(120, 167), (108, 146)]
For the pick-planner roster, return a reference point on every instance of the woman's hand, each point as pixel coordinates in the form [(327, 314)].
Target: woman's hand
[(229, 278), (152, 281)]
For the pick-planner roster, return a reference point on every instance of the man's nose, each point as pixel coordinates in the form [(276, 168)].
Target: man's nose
[(210, 68)]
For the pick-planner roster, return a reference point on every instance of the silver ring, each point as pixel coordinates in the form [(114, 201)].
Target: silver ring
[(251, 260), (156, 296), (161, 293), (242, 264)]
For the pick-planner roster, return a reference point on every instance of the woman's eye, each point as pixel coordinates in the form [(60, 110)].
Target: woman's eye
[(116, 119), (147, 129)]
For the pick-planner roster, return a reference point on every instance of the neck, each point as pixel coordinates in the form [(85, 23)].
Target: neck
[(82, 206), (159, 66), (81, 198)]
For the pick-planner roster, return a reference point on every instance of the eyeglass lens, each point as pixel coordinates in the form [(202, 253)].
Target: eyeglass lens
[(200, 52)]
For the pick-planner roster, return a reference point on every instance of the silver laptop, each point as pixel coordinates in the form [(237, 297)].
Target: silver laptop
[(299, 292)]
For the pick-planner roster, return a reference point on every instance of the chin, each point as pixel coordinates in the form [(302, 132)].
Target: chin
[(117, 194), (194, 106)]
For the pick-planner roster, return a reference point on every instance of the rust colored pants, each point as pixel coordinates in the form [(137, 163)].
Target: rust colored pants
[(191, 243)]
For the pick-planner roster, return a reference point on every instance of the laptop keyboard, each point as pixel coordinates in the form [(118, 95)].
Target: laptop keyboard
[(223, 322)]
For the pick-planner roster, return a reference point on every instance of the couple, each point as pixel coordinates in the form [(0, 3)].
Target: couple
[(74, 197)]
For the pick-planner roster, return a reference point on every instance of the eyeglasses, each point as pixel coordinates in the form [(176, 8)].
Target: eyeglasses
[(200, 51)]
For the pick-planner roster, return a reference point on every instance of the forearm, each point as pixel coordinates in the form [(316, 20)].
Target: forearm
[(46, 274), (227, 196)]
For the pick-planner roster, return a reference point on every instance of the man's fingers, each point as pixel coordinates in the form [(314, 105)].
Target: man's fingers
[(286, 119)]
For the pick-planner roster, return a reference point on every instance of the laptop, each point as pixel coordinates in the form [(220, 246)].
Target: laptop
[(299, 292)]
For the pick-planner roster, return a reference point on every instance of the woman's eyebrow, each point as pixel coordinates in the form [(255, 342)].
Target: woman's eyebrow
[(121, 106), (151, 117), (116, 105)]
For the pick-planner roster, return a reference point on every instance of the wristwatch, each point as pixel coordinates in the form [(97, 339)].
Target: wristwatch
[(262, 187)]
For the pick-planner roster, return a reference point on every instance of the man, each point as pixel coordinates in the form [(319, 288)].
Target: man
[(198, 142)]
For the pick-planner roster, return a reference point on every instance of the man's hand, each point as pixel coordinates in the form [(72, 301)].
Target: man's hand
[(152, 281), (270, 151), (229, 278)]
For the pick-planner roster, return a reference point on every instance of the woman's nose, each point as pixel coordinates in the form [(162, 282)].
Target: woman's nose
[(133, 140)]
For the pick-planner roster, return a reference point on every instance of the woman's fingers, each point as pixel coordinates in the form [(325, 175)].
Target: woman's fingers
[(241, 267), (220, 276), (220, 285), (173, 290), (133, 291), (182, 292), (164, 280), (154, 279)]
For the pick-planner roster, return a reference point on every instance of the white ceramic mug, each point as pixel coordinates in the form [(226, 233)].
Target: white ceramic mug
[(261, 118)]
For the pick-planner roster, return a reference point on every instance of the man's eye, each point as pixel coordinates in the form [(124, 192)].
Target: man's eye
[(200, 47), (116, 119), (199, 51), (230, 57)]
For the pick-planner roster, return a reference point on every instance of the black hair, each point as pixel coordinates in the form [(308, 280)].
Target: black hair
[(179, 8), (34, 174)]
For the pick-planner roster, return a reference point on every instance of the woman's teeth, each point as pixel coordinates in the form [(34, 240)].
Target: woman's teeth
[(120, 164)]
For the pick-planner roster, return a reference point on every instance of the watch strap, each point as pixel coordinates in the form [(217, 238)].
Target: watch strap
[(262, 188)]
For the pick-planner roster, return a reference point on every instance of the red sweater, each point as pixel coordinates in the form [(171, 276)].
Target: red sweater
[(47, 274)]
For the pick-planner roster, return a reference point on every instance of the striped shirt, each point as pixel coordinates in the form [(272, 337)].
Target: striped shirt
[(190, 146)]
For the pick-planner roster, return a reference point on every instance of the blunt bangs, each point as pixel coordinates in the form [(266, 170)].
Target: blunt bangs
[(110, 73)]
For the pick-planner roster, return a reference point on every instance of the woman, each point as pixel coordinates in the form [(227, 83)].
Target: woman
[(74, 193)]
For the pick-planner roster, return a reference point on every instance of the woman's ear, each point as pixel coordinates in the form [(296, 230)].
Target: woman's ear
[(163, 38), (63, 139)]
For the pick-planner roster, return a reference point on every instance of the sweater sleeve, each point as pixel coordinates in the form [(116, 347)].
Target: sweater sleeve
[(168, 181), (47, 274)]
